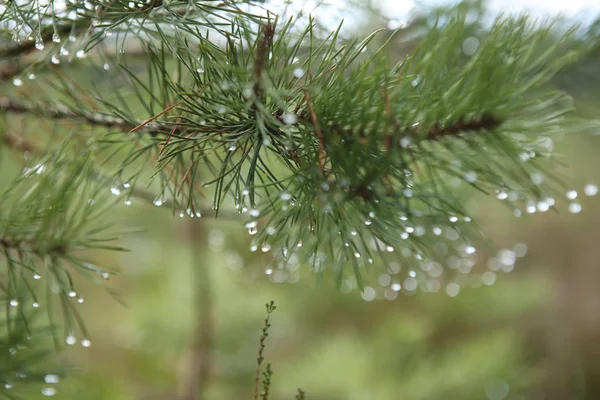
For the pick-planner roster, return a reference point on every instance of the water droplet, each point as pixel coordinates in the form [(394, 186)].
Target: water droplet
[(368, 293), (157, 202), (108, 32), (453, 219), (299, 243), (31, 76), (507, 257), (289, 119), (106, 66), (405, 142), (471, 176), (115, 190), (298, 73), (245, 192), (14, 303), (56, 37), (384, 280), (488, 278), (252, 231), (37, 276), (55, 59), (86, 343), (437, 231), (39, 44), (265, 247), (404, 235), (51, 378), (452, 289), (368, 222), (389, 249), (502, 195), (537, 178), (575, 208), (590, 189), (64, 52), (70, 340), (254, 212), (18, 81), (572, 194), (80, 54), (470, 45), (470, 250), (531, 208), (80, 300), (408, 193), (72, 293), (542, 206), (35, 304), (396, 287), (127, 202), (8, 385), (49, 391), (356, 254)]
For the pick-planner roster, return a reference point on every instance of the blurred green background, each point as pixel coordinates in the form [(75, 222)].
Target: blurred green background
[(191, 290)]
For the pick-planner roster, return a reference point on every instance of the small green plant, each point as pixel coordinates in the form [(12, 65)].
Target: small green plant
[(268, 373)]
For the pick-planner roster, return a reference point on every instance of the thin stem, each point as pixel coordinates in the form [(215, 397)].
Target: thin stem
[(203, 336)]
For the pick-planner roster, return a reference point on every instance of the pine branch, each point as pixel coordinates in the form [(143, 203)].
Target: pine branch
[(63, 112)]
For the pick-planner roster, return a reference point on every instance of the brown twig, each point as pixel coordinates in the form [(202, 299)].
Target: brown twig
[(19, 143), (262, 56), (486, 122)]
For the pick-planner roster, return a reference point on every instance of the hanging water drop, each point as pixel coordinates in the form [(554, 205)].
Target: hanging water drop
[(289, 119), (55, 59), (14, 303), (51, 378), (56, 37), (575, 208), (39, 44), (590, 189), (572, 194), (49, 391), (115, 190), (70, 340), (18, 81), (86, 343)]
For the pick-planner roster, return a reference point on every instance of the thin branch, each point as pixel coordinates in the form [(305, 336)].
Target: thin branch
[(486, 122), (262, 57), (63, 112), (19, 143)]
